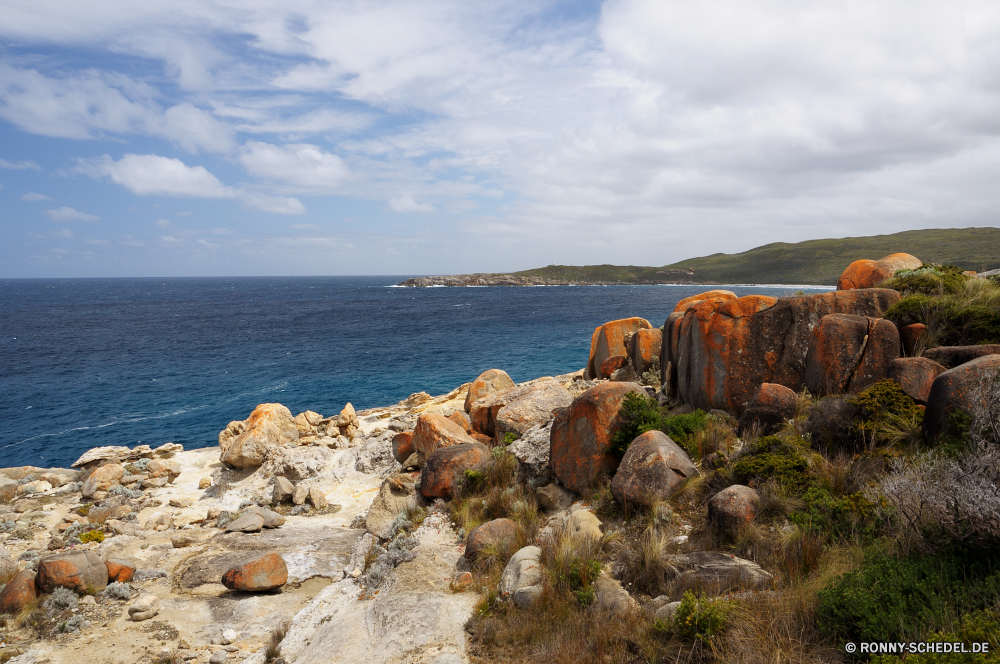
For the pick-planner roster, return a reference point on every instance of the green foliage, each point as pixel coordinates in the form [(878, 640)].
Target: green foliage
[(777, 458), (508, 438), (977, 627), (928, 279), (92, 536), (967, 316), (893, 599), (641, 413), (835, 515), (881, 407), (699, 618), (651, 376)]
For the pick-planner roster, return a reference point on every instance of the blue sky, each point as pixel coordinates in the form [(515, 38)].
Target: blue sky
[(283, 138)]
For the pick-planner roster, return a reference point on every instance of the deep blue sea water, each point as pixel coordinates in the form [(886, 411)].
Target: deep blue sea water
[(90, 362)]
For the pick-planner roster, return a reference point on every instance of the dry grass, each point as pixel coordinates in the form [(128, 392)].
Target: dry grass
[(271, 652), (717, 436), (643, 565), (494, 491), (99, 515)]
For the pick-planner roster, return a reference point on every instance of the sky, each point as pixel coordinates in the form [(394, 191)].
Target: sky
[(258, 137)]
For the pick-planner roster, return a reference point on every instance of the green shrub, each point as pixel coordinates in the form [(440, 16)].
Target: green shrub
[(835, 516), (881, 407), (92, 536), (978, 627), (903, 599), (780, 459), (700, 618), (508, 438), (641, 413), (928, 279), (969, 315)]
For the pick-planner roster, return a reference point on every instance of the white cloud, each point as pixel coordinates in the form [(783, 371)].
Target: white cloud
[(32, 196), (303, 166), (274, 204), (20, 165), (405, 203), (162, 223), (150, 174), (67, 214)]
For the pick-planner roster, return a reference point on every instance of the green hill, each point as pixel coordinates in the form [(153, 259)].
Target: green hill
[(810, 262)]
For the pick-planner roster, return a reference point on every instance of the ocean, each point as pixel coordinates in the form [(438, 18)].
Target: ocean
[(91, 362)]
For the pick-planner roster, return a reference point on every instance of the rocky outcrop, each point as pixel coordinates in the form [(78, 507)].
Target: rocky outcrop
[(484, 411), (955, 391), (915, 375), (581, 435), (247, 444), (725, 350), (444, 470), (491, 380), (652, 469), (533, 409), (434, 431), (770, 408), (609, 340), (733, 507), (259, 574), (80, 571), (848, 353), (952, 356), (103, 479), (869, 274), (644, 346)]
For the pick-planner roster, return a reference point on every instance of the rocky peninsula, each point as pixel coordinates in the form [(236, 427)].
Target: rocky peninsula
[(688, 491)]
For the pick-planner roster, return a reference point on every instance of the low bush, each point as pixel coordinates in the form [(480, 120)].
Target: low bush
[(976, 627), (904, 599), (928, 279), (886, 414), (572, 564), (118, 590), (641, 413), (92, 536), (781, 459), (700, 619), (61, 599), (970, 315)]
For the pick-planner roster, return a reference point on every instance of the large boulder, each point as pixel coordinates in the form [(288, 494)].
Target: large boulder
[(909, 335), (103, 478), (491, 380), (848, 353), (484, 411), (725, 350), (609, 340), (688, 302), (915, 375), (611, 365), (714, 572), (532, 452), (402, 446), (248, 443), (433, 431), (952, 356), (397, 494), (19, 592), (770, 407), (489, 534), (955, 391), (259, 574), (80, 571), (581, 435), (444, 470), (652, 469), (644, 347), (733, 507), (869, 274), (524, 569), (532, 409)]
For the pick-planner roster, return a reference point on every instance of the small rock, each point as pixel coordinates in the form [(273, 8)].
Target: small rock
[(204, 482), (584, 524), (218, 657), (283, 490), (271, 519), (103, 479), (317, 498), (523, 569), (19, 592), (770, 407), (88, 600), (299, 495), (183, 540), (733, 507), (462, 580), (653, 468), (611, 596), (489, 534), (262, 573), (553, 498), (402, 446), (666, 612), (248, 523), (164, 468), (181, 502), (56, 543), (524, 597), (144, 608), (228, 636)]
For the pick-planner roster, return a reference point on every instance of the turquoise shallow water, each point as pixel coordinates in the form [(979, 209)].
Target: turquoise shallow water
[(126, 361)]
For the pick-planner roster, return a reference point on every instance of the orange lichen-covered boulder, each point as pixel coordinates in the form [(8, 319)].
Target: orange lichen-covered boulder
[(612, 364), (487, 534), (770, 408), (644, 347), (581, 435), (266, 572), (909, 335), (688, 302), (532, 409), (733, 507), (246, 444), (915, 375), (481, 438), (433, 431), (952, 356), (484, 411), (848, 353), (103, 478), (725, 351), (402, 446), (869, 274), (444, 470), (461, 419), (956, 390), (609, 340), (119, 570), (491, 380), (80, 571), (19, 592), (652, 469)]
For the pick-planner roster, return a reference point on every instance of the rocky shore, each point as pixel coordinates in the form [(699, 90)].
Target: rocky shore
[(485, 279), (389, 535)]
